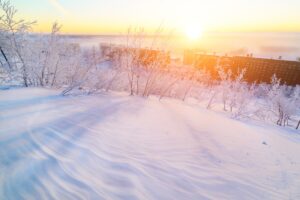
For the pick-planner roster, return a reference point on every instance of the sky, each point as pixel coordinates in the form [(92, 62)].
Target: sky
[(115, 16)]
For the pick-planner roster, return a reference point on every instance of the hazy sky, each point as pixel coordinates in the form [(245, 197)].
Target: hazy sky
[(113, 16)]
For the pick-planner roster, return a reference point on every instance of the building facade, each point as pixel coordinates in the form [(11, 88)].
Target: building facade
[(257, 69), (143, 56)]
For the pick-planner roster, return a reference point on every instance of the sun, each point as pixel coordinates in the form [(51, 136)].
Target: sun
[(193, 31)]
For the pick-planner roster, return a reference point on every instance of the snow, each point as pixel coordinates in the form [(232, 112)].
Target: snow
[(113, 146)]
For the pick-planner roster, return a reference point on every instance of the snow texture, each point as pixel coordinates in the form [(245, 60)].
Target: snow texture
[(113, 146)]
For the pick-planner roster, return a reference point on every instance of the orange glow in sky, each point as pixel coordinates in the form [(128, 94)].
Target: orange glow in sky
[(114, 16)]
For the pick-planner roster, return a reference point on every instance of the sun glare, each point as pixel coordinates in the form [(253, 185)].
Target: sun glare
[(193, 32)]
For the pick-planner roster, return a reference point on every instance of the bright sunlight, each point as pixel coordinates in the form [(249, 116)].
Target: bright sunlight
[(193, 31)]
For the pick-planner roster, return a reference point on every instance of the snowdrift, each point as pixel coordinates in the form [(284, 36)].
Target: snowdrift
[(112, 146)]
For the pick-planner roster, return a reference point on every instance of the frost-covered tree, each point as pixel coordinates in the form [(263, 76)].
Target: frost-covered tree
[(296, 102), (282, 104), (242, 97), (13, 38), (144, 60), (225, 85), (48, 55)]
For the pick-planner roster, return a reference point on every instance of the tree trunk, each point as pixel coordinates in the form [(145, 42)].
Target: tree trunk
[(298, 124)]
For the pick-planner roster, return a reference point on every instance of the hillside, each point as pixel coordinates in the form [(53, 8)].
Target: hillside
[(113, 146)]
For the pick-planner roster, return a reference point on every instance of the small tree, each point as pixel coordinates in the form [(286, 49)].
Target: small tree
[(13, 32), (225, 85), (236, 90), (281, 104)]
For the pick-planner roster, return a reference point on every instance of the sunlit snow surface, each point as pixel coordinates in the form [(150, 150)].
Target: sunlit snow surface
[(119, 147)]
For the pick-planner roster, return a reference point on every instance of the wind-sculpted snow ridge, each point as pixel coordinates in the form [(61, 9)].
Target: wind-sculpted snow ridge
[(113, 146)]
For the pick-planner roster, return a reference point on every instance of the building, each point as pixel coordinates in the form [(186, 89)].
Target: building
[(143, 56), (257, 69), (261, 70)]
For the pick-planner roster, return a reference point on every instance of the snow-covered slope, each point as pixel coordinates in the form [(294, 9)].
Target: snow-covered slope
[(119, 147)]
